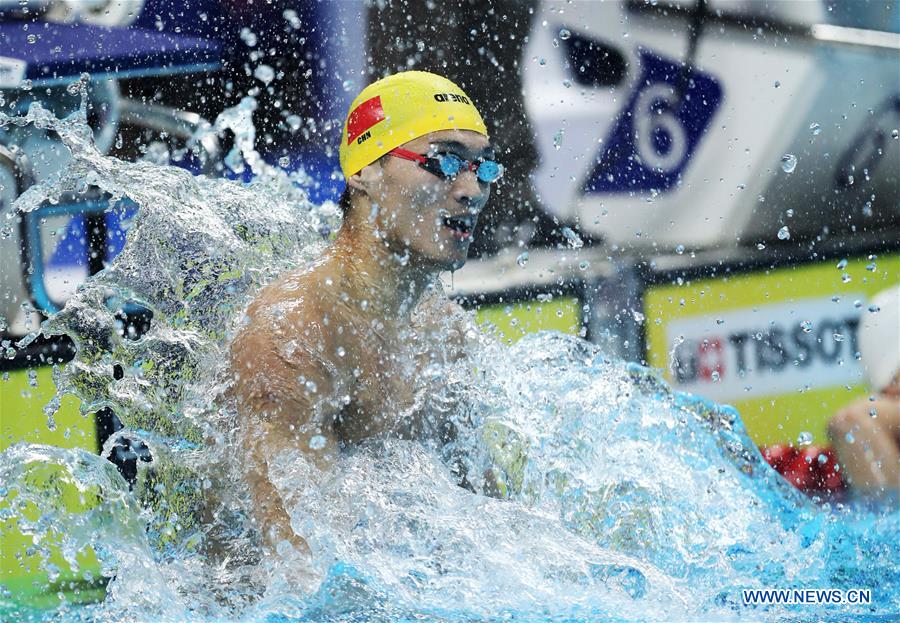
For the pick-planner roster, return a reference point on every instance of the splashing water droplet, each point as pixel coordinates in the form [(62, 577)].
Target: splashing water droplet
[(777, 84), (572, 238), (522, 260), (264, 74), (804, 439), (788, 163), (895, 134), (874, 308), (815, 128), (806, 326), (842, 265), (679, 249), (564, 33), (557, 139), (784, 233), (317, 442), (838, 337)]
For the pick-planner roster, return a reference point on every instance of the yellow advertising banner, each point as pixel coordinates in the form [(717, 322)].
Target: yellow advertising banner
[(780, 345)]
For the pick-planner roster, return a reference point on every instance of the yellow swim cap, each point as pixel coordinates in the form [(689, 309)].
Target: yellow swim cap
[(400, 108)]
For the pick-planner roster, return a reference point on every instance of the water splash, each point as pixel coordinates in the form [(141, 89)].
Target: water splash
[(614, 497), (788, 163)]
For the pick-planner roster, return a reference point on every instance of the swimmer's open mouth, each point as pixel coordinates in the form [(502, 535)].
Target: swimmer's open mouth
[(462, 226)]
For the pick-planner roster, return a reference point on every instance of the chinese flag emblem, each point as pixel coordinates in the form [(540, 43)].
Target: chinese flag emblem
[(364, 117)]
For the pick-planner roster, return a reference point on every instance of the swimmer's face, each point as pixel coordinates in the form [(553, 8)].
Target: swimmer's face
[(423, 216)]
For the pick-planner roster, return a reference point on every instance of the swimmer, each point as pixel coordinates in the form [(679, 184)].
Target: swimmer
[(332, 355), (866, 433)]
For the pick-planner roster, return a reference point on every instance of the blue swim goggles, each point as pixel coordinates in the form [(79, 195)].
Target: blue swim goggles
[(449, 166)]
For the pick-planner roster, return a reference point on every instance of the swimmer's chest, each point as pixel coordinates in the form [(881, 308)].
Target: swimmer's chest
[(389, 386)]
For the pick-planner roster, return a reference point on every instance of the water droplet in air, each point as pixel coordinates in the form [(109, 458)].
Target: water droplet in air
[(522, 260), (838, 337), (573, 239), (584, 265), (777, 84), (895, 134), (679, 249), (564, 33), (842, 265), (845, 278), (557, 139), (804, 439), (264, 74), (815, 128), (806, 325), (784, 233), (294, 122), (248, 37), (788, 163), (317, 442), (32, 38), (871, 267), (284, 162), (874, 308), (760, 246)]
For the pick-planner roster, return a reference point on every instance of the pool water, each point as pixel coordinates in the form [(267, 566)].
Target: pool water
[(623, 500)]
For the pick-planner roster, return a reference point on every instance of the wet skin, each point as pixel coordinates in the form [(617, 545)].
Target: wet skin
[(332, 355), (871, 461)]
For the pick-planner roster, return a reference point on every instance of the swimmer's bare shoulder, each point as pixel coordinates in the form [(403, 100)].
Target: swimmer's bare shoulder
[(285, 384)]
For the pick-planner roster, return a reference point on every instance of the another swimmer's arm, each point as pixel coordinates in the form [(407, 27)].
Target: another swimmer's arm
[(868, 448)]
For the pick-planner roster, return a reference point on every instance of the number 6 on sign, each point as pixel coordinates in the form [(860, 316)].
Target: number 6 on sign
[(660, 139), (658, 130)]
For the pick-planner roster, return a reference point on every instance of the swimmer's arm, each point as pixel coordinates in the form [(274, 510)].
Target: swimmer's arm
[(281, 417)]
